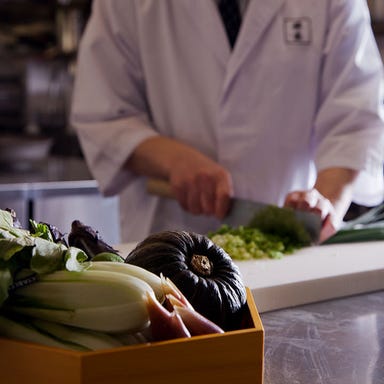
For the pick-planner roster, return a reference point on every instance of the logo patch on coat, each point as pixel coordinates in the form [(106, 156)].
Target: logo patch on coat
[(298, 30)]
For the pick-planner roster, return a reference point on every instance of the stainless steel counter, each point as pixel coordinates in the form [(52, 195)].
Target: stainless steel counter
[(54, 168), (332, 342), (58, 191)]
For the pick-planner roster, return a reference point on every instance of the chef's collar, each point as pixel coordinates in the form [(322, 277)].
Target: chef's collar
[(243, 4)]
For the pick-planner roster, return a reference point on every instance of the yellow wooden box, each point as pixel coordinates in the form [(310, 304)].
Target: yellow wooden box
[(235, 356)]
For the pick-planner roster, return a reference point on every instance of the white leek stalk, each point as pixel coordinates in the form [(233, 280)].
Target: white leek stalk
[(89, 340), (97, 300), (21, 331), (131, 270)]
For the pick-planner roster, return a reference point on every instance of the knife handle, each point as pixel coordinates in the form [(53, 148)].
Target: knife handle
[(160, 188)]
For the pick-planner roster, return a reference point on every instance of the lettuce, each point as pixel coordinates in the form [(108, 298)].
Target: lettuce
[(24, 254)]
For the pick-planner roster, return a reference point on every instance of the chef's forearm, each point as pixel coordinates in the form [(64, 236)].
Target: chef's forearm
[(156, 156), (336, 185), (201, 185), (153, 157)]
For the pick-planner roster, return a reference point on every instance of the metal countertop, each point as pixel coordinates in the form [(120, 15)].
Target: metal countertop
[(48, 188), (54, 176), (332, 342)]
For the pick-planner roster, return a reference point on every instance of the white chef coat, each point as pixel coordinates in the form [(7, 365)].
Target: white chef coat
[(300, 92)]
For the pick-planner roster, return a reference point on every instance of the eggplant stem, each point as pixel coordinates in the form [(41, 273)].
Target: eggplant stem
[(201, 265)]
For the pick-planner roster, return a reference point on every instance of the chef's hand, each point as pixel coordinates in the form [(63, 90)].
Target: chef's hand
[(330, 198), (200, 185), (313, 201)]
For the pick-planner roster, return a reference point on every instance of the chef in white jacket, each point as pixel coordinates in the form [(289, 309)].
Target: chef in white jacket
[(291, 114)]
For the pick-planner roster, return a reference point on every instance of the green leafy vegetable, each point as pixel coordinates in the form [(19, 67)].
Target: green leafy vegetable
[(272, 233), (74, 259), (6, 219), (108, 256), (282, 223), (41, 230), (244, 243), (24, 254), (10, 245), (46, 256)]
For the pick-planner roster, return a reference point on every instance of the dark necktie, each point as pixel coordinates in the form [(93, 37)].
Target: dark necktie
[(230, 13)]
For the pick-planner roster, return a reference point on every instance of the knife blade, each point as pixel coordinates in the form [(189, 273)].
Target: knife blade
[(242, 211)]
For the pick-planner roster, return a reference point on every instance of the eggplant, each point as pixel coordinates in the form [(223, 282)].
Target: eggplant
[(89, 240)]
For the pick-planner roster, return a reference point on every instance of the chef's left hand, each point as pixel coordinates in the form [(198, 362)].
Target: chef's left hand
[(313, 201)]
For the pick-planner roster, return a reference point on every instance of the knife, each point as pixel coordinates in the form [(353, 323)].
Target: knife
[(243, 211)]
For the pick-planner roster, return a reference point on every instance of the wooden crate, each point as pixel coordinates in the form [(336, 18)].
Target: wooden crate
[(235, 356)]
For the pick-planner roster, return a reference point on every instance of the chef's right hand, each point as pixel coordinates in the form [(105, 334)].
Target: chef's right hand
[(201, 185)]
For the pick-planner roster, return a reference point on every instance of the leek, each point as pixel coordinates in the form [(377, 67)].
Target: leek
[(86, 339), (96, 300), (355, 235), (129, 270), (23, 331), (367, 227)]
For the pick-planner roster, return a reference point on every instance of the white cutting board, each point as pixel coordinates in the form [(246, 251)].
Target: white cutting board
[(312, 274)]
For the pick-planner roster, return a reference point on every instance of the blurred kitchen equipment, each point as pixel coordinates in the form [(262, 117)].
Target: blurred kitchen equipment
[(48, 95), (376, 8), (11, 96), (69, 26), (44, 37), (20, 152)]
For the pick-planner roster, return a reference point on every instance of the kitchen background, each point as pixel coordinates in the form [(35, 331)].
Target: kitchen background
[(38, 45), (42, 170)]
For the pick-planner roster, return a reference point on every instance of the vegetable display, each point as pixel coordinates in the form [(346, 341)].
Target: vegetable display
[(57, 294), (203, 271)]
